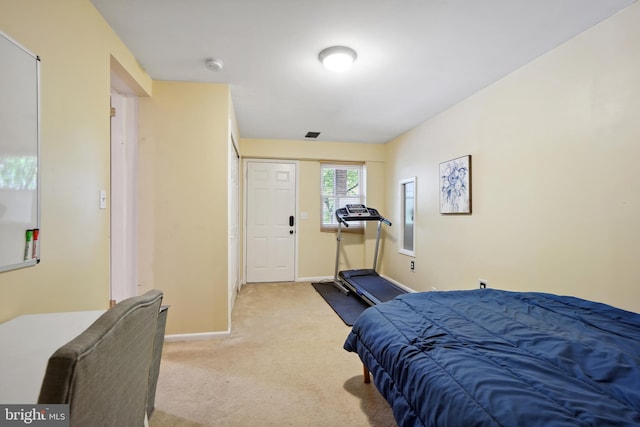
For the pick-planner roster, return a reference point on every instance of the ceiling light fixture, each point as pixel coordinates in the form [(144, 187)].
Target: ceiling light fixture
[(337, 58), (213, 64)]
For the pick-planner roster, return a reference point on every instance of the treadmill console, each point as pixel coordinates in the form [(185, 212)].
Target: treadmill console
[(357, 210)]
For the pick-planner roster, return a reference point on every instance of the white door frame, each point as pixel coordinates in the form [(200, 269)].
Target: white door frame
[(234, 229), (245, 170)]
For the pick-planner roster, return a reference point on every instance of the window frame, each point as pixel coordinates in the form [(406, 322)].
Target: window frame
[(355, 226), (403, 212)]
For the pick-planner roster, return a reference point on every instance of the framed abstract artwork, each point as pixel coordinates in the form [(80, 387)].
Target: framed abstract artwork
[(455, 186)]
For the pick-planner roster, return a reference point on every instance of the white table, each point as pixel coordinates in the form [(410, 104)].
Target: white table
[(27, 342)]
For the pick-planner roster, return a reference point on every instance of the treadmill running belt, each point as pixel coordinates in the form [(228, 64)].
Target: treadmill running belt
[(371, 284)]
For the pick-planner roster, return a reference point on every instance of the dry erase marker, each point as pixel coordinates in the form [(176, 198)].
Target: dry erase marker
[(28, 246), (36, 234)]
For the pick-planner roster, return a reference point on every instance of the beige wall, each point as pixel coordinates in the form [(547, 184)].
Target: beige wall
[(316, 250), (182, 203), (556, 199), (76, 46)]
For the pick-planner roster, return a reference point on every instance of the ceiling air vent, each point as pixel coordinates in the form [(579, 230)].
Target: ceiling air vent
[(312, 135)]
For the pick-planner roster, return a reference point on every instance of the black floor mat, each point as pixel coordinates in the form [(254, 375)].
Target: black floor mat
[(348, 307)]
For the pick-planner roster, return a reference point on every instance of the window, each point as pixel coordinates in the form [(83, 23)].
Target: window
[(341, 184), (408, 202)]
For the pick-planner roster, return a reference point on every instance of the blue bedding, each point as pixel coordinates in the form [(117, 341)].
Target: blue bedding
[(496, 358)]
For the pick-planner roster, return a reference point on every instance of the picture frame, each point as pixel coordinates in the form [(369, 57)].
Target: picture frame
[(455, 186)]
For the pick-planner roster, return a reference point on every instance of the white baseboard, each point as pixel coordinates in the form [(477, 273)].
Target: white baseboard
[(398, 284), (196, 336), (314, 279)]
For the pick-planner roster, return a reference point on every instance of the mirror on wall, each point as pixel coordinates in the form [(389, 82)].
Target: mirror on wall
[(408, 204)]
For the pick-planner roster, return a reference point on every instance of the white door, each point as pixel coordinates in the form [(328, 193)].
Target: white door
[(271, 209), (123, 253)]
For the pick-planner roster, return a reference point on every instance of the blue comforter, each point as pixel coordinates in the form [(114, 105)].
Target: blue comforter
[(495, 358)]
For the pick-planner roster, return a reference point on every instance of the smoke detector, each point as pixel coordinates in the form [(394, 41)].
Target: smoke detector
[(213, 64)]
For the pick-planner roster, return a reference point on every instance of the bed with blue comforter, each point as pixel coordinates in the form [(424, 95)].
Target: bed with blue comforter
[(495, 358)]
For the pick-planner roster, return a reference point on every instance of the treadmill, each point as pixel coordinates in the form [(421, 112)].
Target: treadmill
[(366, 283)]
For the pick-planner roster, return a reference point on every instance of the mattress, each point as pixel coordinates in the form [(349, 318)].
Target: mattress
[(495, 358)]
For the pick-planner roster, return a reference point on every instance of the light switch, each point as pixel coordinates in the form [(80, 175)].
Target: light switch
[(103, 199)]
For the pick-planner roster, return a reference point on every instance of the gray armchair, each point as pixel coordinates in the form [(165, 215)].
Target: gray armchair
[(105, 373)]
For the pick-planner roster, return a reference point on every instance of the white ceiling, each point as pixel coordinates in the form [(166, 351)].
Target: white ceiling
[(415, 57)]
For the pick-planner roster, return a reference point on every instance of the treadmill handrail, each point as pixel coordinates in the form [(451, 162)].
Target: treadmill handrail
[(340, 220)]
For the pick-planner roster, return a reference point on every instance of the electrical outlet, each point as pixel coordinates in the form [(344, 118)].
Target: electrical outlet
[(483, 283), (412, 265)]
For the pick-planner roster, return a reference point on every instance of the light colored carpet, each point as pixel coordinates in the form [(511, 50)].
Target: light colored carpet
[(282, 365)]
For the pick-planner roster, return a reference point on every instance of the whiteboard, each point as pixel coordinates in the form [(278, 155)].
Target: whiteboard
[(19, 153)]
